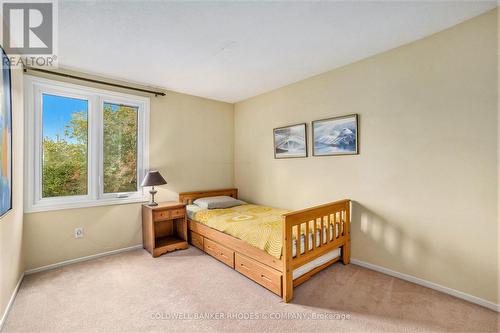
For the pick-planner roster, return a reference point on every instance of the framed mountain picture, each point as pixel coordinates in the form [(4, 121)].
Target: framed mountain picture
[(5, 138), (335, 136), (290, 141)]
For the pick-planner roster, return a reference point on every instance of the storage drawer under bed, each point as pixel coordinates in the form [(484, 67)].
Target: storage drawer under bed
[(219, 252), (196, 240), (263, 275)]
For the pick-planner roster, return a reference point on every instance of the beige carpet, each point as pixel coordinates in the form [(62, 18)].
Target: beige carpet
[(132, 292)]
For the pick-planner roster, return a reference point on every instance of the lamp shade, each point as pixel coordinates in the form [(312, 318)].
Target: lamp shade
[(153, 178)]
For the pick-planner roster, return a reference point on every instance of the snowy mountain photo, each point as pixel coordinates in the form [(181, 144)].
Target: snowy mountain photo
[(335, 136)]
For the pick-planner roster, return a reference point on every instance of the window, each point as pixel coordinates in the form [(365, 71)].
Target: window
[(120, 148), (84, 146), (65, 146)]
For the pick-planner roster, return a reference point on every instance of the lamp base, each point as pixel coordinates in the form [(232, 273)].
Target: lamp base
[(152, 202)]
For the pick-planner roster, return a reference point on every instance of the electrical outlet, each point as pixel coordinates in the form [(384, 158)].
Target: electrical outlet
[(79, 232)]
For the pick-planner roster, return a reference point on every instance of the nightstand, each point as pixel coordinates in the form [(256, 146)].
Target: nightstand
[(164, 228)]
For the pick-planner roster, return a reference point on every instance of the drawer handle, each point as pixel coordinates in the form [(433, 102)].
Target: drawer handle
[(265, 278), (242, 265)]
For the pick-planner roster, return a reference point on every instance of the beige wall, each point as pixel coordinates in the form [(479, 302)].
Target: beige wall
[(424, 183), (11, 225), (191, 143), (498, 154)]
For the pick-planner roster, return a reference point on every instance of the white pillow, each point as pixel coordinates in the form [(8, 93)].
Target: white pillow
[(218, 202)]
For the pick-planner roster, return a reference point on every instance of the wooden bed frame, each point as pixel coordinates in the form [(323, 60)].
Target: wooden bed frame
[(270, 272)]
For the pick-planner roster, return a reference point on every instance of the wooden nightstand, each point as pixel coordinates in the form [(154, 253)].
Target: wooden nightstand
[(164, 228)]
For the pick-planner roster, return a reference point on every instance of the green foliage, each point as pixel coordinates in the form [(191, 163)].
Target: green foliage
[(120, 149), (65, 162), (65, 159), (77, 127)]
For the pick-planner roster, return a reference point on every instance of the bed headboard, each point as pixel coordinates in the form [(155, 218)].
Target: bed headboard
[(189, 197)]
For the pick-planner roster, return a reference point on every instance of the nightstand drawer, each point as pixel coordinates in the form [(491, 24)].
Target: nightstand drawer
[(177, 213), (219, 252), (161, 215)]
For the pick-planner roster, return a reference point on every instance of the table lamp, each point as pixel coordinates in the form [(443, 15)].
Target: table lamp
[(153, 178)]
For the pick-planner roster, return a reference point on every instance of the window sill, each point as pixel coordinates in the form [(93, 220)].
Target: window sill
[(84, 204)]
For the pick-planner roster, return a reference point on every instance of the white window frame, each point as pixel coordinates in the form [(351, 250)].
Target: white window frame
[(35, 87)]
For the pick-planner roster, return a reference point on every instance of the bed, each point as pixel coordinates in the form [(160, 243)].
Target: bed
[(279, 249)]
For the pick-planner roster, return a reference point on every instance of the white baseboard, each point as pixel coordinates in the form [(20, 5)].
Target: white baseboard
[(9, 305), (73, 261), (428, 284)]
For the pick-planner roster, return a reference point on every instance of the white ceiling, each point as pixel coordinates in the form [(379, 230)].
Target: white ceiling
[(232, 51)]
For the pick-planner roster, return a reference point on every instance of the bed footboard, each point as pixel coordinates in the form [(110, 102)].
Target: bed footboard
[(322, 228)]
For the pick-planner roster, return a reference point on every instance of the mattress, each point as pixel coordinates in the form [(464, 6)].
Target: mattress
[(261, 227), (318, 240), (258, 226), (298, 272)]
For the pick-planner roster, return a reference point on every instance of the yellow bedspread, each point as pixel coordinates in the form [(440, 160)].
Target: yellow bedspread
[(256, 225)]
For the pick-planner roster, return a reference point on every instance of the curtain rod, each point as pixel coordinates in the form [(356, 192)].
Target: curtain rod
[(156, 93)]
